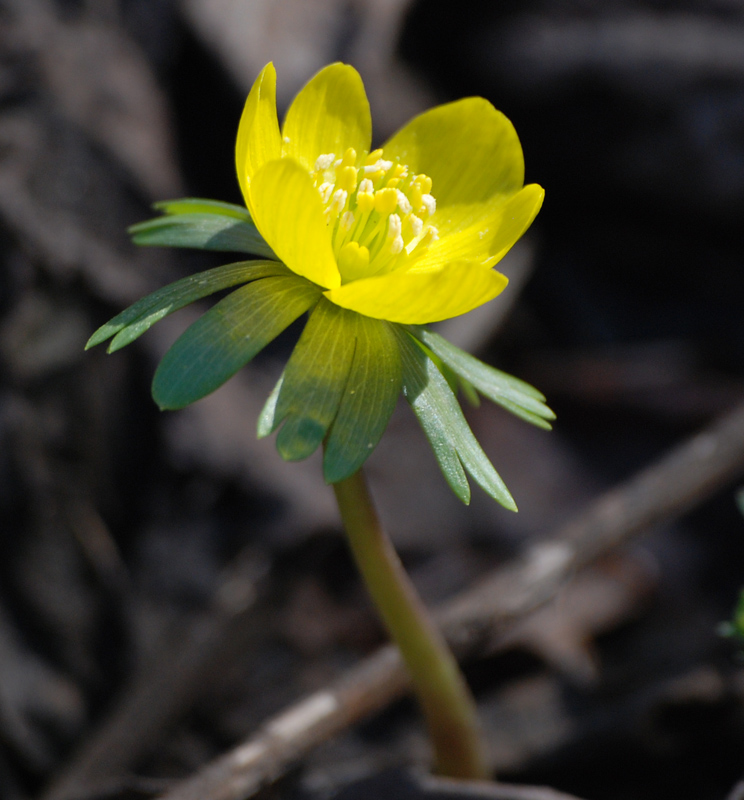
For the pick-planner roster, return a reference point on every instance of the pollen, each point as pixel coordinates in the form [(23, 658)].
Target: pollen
[(323, 162), (377, 211)]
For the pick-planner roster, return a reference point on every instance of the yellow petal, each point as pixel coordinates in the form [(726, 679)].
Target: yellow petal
[(258, 133), (468, 148), (329, 115), (288, 213), (486, 238), (421, 297)]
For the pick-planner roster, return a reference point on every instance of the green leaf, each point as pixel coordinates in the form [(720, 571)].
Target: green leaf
[(135, 320), (314, 381), (370, 397), (228, 336), (442, 419), (509, 392), (205, 231), (197, 205)]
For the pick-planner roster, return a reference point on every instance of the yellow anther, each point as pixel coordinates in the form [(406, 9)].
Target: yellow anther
[(386, 201), (400, 171), (349, 157), (347, 179), (393, 183), (353, 261), (373, 157)]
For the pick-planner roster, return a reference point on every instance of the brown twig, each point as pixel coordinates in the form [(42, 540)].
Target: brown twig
[(687, 475)]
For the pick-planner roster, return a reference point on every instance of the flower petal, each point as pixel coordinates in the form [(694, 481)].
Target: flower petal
[(486, 238), (258, 133), (421, 297), (468, 148), (288, 212), (330, 114)]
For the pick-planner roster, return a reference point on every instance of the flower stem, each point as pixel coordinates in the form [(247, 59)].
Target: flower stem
[(441, 689)]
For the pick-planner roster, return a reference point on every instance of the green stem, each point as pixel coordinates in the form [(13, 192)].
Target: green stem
[(445, 698)]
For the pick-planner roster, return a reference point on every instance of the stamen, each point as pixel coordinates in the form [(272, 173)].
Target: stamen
[(346, 222), (429, 203), (403, 203), (373, 157), (366, 196), (394, 226), (326, 190), (349, 158), (415, 224), (324, 161), (338, 203)]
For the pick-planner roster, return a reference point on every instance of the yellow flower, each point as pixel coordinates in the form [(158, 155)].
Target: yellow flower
[(408, 233), (371, 246)]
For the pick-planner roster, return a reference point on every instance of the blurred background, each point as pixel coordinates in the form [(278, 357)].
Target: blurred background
[(137, 546)]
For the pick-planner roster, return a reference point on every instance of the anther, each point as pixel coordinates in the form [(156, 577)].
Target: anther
[(428, 203), (415, 224), (366, 196), (394, 226), (338, 202), (373, 157), (403, 203), (324, 161), (349, 158), (347, 221), (431, 235), (326, 190)]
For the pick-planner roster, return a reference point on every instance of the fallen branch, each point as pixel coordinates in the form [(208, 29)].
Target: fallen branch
[(472, 621)]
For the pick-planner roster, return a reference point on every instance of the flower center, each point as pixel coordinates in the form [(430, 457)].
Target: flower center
[(377, 212)]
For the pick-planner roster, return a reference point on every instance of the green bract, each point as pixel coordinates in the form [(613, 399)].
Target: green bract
[(372, 246)]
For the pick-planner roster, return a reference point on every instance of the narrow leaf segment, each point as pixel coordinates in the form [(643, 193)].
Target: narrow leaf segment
[(227, 337), (507, 391), (456, 448), (142, 315)]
